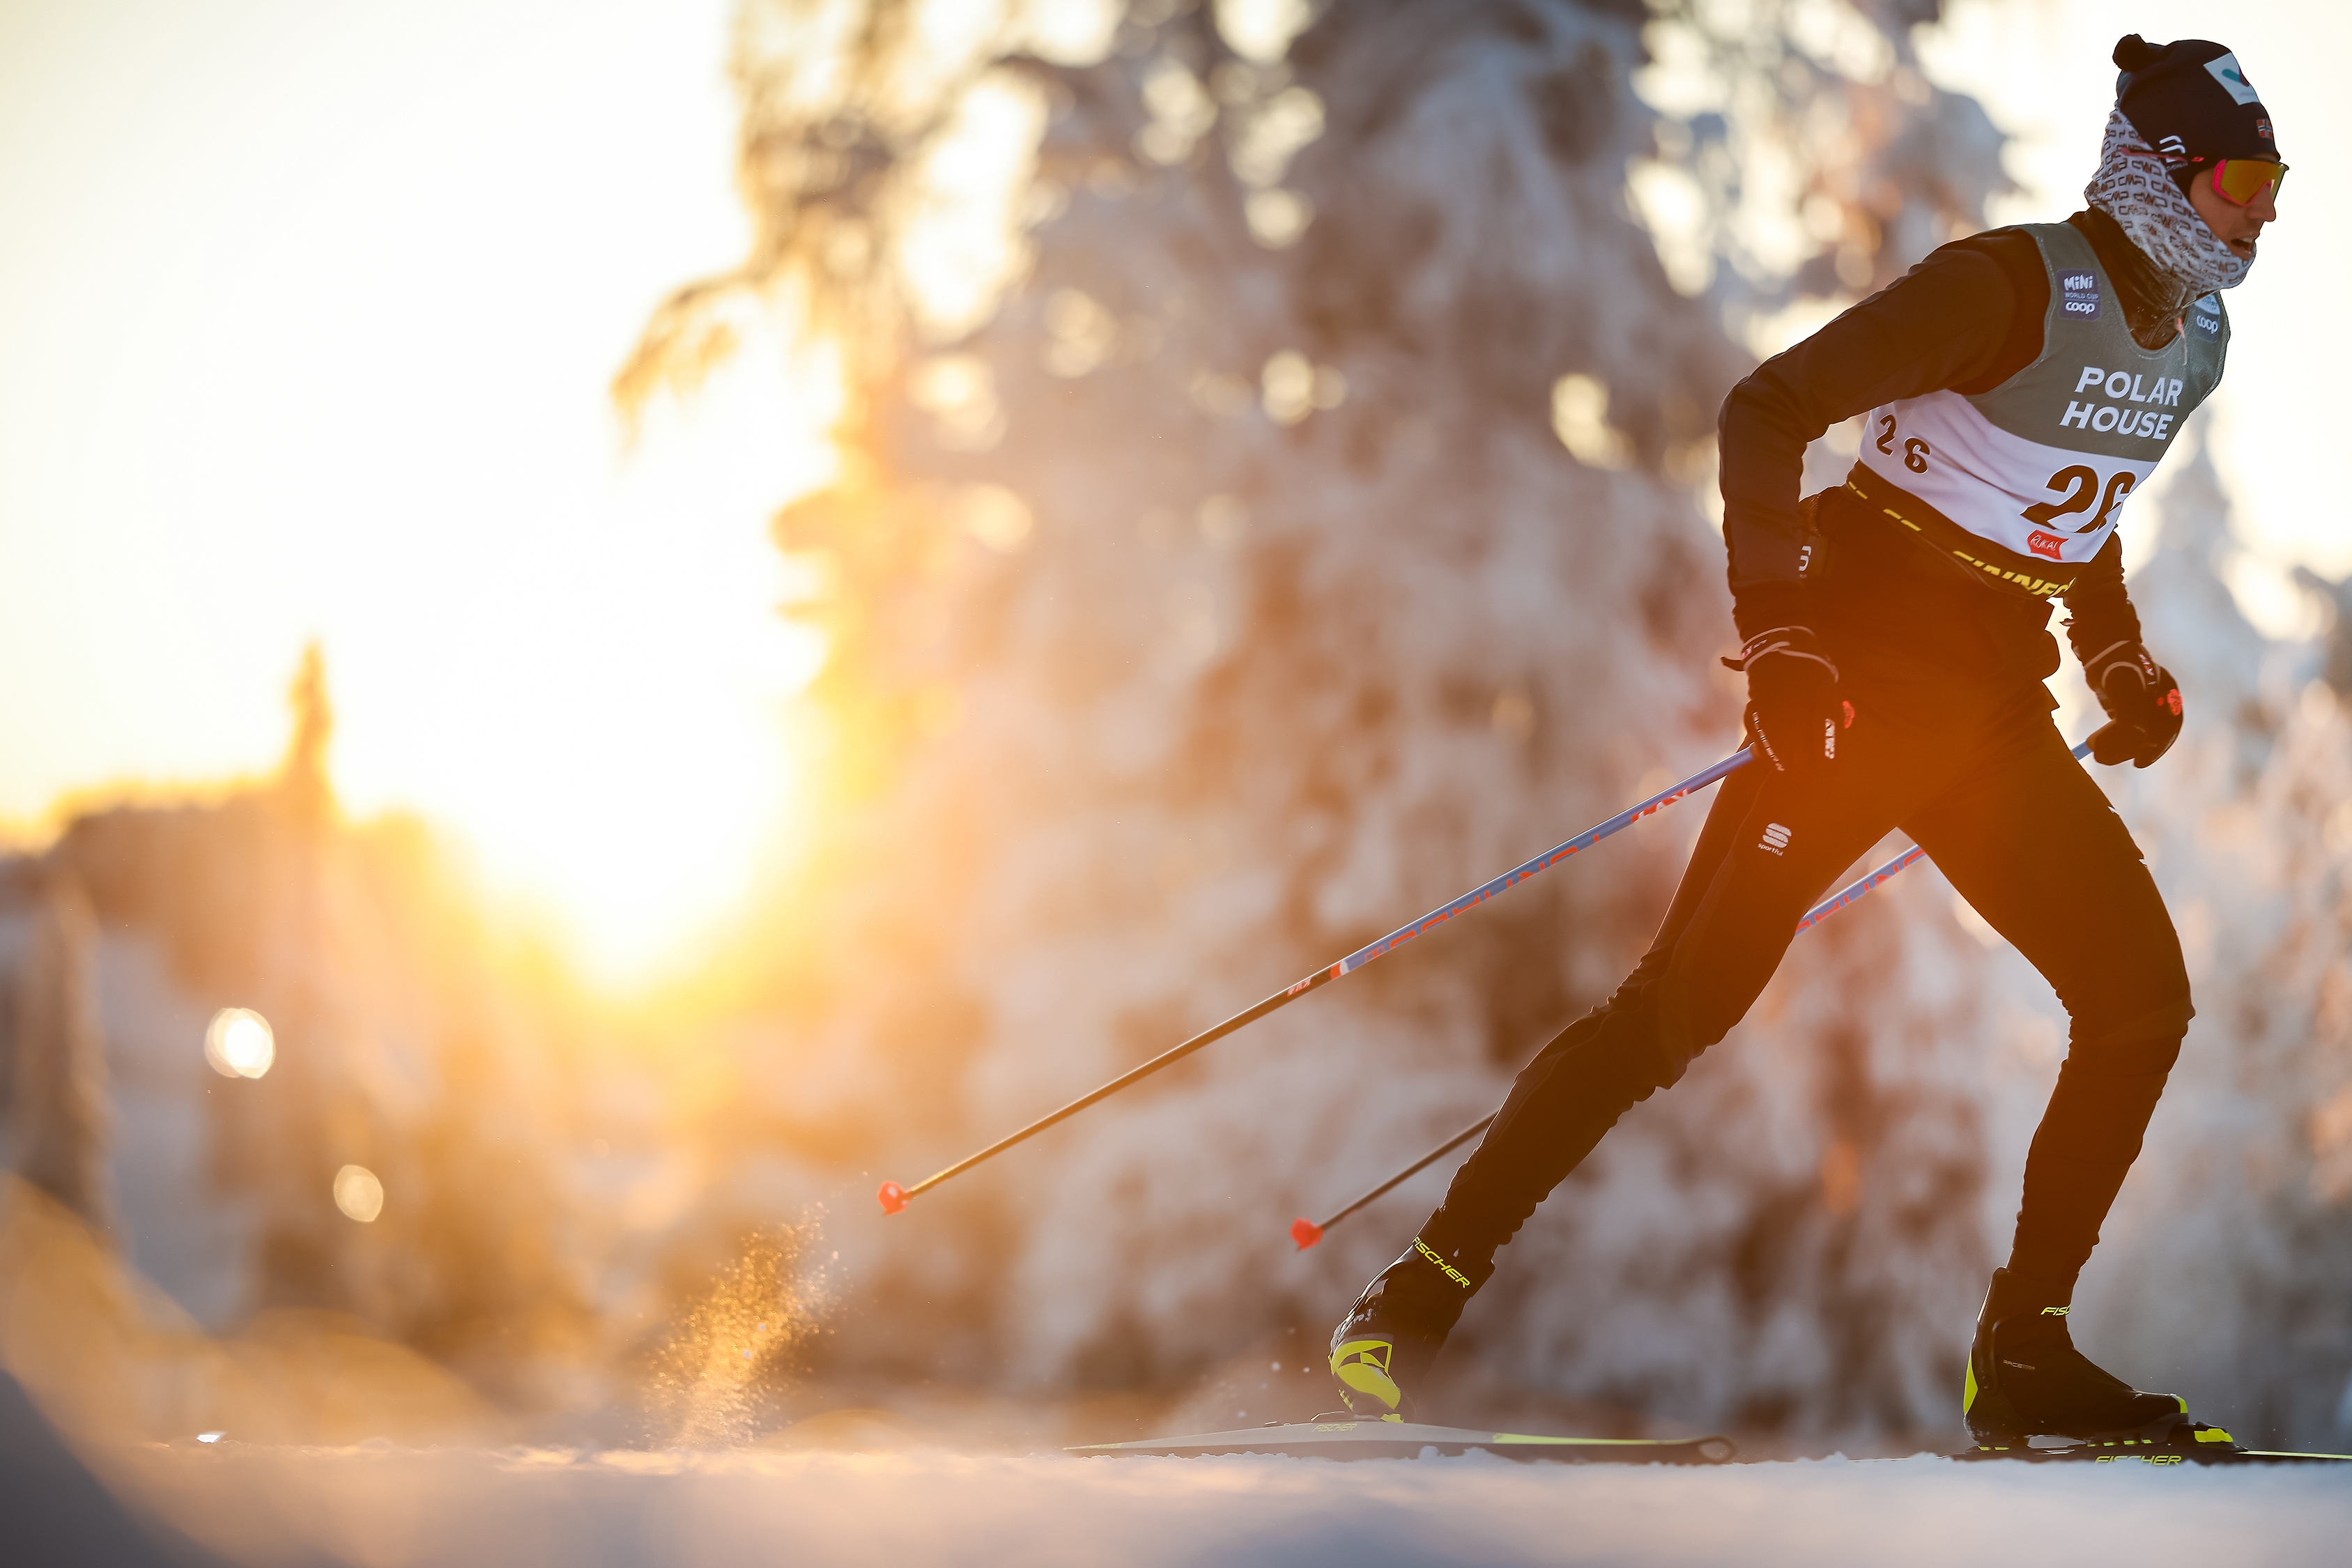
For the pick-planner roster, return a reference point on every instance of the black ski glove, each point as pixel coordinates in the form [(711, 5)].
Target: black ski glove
[(1793, 706), (2143, 704)]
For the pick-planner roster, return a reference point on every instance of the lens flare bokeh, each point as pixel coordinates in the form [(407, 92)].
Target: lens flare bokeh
[(238, 1043)]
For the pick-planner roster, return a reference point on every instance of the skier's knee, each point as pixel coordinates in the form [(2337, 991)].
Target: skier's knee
[(1658, 1046), (1628, 1034), (2147, 1043)]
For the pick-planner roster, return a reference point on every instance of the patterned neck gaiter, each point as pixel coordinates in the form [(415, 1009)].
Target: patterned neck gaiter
[(2134, 188)]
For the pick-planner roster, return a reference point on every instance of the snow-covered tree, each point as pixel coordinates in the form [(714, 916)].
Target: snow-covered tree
[(1290, 513)]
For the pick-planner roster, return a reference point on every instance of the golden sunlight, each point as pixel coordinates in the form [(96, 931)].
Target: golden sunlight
[(375, 416)]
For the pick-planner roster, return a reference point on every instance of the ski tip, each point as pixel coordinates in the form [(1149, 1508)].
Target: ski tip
[(1305, 1232), (893, 1196)]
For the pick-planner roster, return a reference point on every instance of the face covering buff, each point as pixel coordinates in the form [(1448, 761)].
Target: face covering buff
[(2134, 187)]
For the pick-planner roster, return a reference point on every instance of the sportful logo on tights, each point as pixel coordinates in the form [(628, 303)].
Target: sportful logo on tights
[(1775, 839)]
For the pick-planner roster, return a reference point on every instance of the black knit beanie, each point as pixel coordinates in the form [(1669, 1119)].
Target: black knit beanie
[(2188, 98)]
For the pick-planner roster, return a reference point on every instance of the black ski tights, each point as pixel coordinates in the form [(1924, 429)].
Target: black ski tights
[(2019, 829), (2087, 1139)]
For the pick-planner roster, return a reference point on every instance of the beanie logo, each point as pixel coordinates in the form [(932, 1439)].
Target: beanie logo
[(2224, 69)]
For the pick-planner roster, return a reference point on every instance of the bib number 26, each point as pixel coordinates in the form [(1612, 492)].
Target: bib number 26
[(1916, 452), (2077, 487)]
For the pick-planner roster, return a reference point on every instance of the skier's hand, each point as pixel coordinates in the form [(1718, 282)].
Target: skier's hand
[(1793, 706), (2143, 704)]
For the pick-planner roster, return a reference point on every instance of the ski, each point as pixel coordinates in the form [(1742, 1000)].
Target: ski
[(1349, 1439), (1340, 1439), (2190, 1443), (2147, 1454)]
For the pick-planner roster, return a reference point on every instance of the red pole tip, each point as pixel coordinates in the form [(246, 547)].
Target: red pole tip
[(1305, 1232), (893, 1196)]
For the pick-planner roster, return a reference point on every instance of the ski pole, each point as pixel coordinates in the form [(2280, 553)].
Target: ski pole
[(1307, 1232), (895, 1197)]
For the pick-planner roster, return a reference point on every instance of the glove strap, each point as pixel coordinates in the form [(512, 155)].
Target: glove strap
[(2129, 654), (1789, 642)]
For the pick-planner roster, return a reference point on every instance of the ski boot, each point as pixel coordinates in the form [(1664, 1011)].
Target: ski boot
[(2026, 1379), (1382, 1348)]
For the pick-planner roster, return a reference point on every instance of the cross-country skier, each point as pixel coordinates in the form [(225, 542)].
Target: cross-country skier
[(2019, 386)]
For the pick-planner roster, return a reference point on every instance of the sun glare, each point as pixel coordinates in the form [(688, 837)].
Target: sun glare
[(377, 418), (622, 766)]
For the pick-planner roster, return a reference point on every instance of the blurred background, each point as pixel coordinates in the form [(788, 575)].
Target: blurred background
[(622, 620)]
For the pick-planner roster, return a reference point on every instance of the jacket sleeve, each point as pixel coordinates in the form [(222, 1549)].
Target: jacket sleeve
[(1946, 323), (2099, 613)]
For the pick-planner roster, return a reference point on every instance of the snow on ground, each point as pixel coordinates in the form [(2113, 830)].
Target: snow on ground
[(385, 1506)]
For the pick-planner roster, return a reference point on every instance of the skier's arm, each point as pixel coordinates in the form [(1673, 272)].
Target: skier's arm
[(2141, 698), (2099, 613), (1967, 317)]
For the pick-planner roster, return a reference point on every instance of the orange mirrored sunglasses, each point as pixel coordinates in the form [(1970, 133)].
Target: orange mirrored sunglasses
[(2238, 179), (2241, 180)]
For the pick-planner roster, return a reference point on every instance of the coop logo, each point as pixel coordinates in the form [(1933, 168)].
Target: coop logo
[(2043, 544), (1775, 839), (2233, 80), (2081, 295)]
